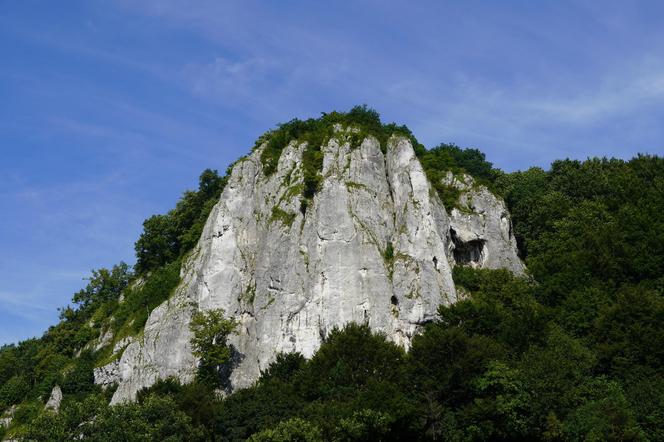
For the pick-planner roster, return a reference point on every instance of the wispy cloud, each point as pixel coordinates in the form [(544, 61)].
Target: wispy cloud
[(25, 306), (229, 80), (617, 93)]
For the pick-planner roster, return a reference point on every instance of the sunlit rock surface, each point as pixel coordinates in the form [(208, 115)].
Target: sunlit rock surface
[(55, 399)]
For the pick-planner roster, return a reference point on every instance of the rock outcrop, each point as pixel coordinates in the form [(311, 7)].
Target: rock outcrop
[(55, 399), (7, 416), (481, 229), (374, 246)]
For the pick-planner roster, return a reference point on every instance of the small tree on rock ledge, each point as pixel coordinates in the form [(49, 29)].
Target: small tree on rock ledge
[(210, 331)]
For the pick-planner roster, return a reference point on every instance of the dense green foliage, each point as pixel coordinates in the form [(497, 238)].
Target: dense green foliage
[(444, 158), (155, 418), (210, 330), (573, 351), (457, 160), (294, 429), (105, 286), (129, 316), (168, 237)]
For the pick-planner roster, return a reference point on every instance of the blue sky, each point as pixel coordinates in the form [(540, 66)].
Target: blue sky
[(109, 110)]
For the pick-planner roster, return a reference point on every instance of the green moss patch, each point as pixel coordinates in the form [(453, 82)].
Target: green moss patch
[(280, 215)]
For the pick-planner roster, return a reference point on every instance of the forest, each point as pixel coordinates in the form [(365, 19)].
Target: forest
[(573, 351)]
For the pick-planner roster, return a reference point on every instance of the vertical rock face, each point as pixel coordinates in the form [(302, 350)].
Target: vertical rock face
[(375, 246)]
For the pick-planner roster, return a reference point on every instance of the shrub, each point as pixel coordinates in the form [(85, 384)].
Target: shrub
[(292, 430), (13, 391), (210, 330), (133, 312)]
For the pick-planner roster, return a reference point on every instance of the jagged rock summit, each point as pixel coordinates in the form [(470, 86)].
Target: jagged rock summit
[(374, 245)]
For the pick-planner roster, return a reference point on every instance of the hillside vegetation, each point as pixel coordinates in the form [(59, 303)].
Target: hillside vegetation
[(572, 352)]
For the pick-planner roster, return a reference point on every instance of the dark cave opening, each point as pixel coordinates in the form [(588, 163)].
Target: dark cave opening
[(467, 252)]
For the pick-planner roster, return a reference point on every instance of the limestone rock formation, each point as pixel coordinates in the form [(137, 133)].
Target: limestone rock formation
[(374, 246), (481, 229), (55, 399), (108, 374)]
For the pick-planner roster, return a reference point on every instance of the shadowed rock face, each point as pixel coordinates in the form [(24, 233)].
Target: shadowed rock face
[(469, 252), (373, 247)]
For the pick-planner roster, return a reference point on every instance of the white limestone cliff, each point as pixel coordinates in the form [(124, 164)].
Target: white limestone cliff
[(374, 246)]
